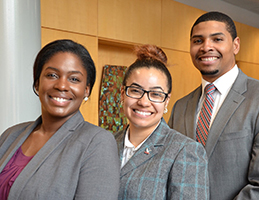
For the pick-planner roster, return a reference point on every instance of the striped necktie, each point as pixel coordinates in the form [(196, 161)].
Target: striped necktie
[(203, 123)]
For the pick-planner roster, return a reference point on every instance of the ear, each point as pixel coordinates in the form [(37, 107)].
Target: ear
[(36, 86), (87, 91), (236, 45), (167, 100), (122, 93)]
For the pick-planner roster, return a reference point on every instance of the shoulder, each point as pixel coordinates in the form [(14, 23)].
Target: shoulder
[(20, 126), (177, 141), (252, 83), (12, 133), (188, 149), (189, 96), (243, 80), (16, 129), (90, 132), (247, 86), (177, 137)]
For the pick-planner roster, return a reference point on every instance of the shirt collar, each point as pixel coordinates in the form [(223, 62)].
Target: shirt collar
[(128, 144)]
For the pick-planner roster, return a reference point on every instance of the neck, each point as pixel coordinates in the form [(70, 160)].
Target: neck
[(50, 124), (137, 134)]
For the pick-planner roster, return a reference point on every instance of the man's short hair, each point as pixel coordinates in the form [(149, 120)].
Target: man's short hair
[(220, 17)]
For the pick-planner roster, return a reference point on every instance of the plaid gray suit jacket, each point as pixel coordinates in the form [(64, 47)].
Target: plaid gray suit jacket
[(175, 168)]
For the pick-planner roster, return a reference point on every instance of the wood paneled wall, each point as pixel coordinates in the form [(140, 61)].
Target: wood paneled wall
[(110, 28)]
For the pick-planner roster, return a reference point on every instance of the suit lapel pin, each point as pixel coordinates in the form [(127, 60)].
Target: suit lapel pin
[(147, 151)]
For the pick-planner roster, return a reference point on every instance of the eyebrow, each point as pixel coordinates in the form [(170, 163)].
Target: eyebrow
[(211, 35), (71, 72), (152, 88)]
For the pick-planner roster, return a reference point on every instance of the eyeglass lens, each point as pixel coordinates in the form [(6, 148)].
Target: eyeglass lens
[(137, 93)]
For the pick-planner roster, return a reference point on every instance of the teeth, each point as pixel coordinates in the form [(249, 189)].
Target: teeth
[(59, 99), (209, 58), (143, 113)]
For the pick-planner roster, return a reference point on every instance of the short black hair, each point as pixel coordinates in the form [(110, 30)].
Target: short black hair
[(220, 17), (65, 45)]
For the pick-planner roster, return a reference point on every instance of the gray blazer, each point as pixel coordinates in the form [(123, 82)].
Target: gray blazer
[(233, 142), (80, 161), (175, 168)]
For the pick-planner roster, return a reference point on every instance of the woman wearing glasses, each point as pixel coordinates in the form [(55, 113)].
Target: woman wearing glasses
[(156, 162)]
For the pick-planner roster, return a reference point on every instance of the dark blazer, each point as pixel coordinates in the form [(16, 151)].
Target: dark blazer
[(175, 168), (80, 161), (233, 143)]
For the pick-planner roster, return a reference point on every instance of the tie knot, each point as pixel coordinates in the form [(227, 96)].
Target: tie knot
[(210, 88)]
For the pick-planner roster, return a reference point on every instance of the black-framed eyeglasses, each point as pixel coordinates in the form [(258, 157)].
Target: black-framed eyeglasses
[(138, 93)]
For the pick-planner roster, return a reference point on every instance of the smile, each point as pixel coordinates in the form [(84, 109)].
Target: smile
[(143, 113), (58, 99), (208, 58)]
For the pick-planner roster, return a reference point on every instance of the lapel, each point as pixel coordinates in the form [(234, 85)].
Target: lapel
[(190, 114), (156, 140), (231, 103), (55, 141)]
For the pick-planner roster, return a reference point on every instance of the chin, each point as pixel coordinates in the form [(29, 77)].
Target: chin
[(212, 72)]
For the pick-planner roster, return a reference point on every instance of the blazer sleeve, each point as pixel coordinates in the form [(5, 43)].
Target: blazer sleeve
[(251, 190), (189, 175), (99, 175)]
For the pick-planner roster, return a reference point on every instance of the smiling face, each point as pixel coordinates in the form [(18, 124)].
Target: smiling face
[(212, 49), (62, 85), (142, 113)]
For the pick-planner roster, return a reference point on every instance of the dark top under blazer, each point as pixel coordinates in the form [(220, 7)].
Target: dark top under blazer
[(80, 161), (175, 168), (233, 142)]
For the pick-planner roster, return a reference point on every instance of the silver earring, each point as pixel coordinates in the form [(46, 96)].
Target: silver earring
[(122, 103), (166, 110), (85, 99)]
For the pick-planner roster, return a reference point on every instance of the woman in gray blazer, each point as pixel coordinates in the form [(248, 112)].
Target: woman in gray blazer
[(59, 156), (156, 162)]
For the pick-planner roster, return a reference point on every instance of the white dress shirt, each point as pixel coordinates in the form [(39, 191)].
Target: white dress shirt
[(223, 85)]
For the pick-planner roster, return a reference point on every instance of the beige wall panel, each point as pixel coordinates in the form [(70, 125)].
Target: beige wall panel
[(177, 20), (110, 54), (70, 15), (249, 39), (250, 69), (90, 108), (185, 77), (130, 20)]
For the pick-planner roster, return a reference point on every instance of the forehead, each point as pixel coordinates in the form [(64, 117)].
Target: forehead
[(65, 60), (148, 77), (210, 27)]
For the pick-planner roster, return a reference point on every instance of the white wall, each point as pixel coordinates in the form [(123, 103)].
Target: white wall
[(20, 40)]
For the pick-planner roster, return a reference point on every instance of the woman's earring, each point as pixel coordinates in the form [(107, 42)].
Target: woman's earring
[(122, 102), (165, 110), (85, 99)]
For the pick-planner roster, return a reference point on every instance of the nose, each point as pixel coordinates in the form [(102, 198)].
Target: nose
[(144, 101), (62, 84), (207, 45)]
